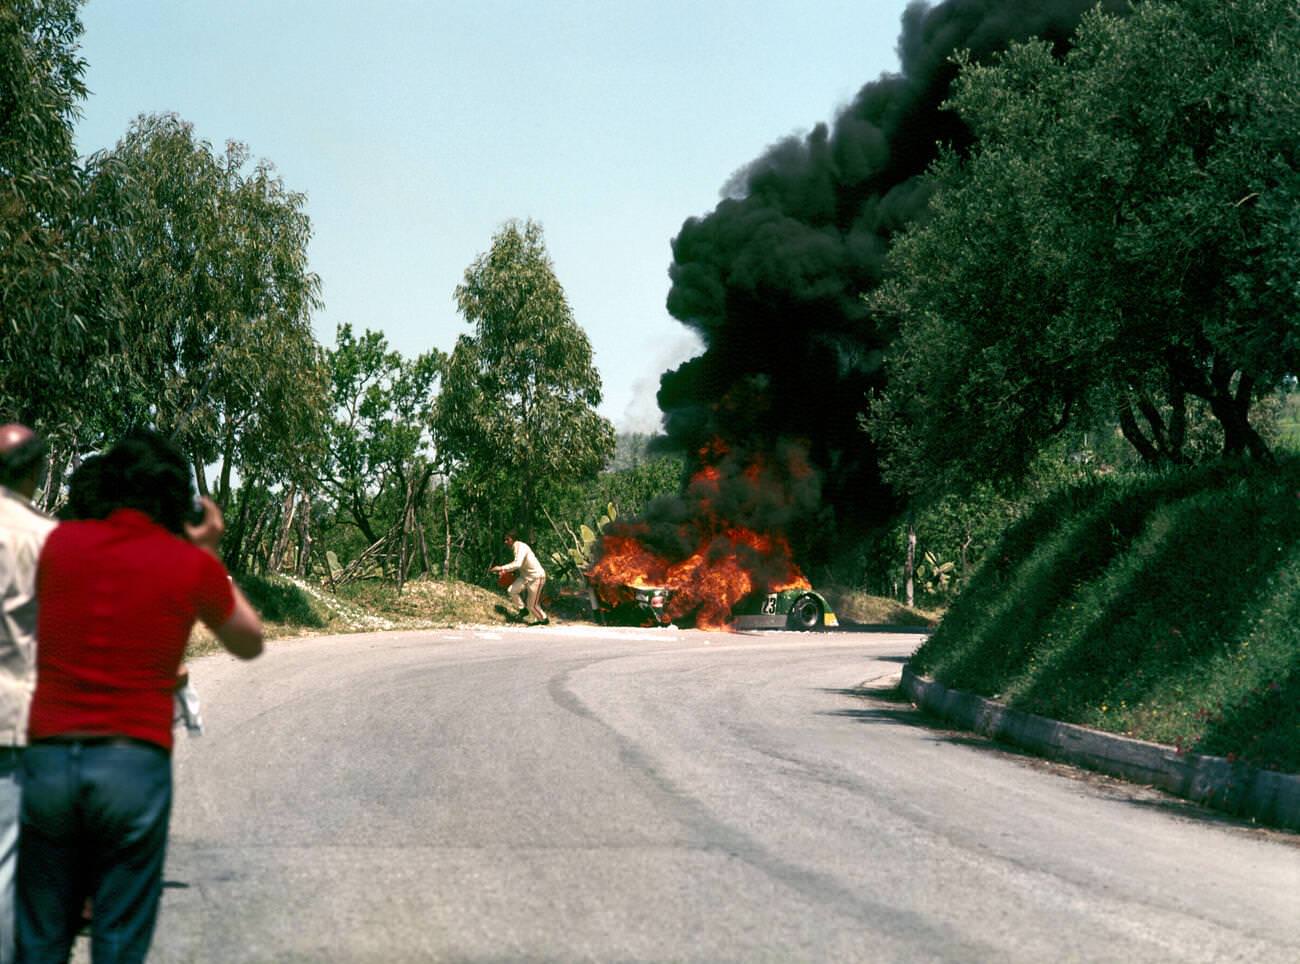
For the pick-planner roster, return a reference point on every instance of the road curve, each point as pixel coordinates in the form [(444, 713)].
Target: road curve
[(583, 794)]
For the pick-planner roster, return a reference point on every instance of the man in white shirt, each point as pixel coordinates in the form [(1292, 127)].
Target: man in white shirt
[(22, 534), (526, 591)]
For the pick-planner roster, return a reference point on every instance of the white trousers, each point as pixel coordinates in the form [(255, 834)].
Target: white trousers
[(527, 594)]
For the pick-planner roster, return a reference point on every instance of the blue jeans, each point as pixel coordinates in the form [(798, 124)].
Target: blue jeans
[(94, 824), (11, 793)]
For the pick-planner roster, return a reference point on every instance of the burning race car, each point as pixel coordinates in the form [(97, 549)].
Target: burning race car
[(799, 609), (716, 558), (631, 605)]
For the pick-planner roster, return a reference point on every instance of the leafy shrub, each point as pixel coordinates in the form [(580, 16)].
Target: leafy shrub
[(279, 601)]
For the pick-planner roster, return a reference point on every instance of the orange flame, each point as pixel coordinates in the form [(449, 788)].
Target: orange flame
[(722, 569)]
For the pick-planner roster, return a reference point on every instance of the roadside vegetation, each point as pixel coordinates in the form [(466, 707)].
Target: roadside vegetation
[(853, 607), (1164, 607), (293, 608), (1105, 289)]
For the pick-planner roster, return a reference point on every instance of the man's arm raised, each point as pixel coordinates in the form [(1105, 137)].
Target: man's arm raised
[(241, 633)]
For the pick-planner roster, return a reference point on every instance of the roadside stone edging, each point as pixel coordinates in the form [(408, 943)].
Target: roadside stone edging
[(1271, 797)]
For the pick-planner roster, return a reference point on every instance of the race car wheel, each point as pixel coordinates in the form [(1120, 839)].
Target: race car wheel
[(806, 613)]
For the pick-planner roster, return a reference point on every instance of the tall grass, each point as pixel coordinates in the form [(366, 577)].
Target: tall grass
[(1164, 607)]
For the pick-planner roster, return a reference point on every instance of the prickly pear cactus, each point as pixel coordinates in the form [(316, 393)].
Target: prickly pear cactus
[(577, 558)]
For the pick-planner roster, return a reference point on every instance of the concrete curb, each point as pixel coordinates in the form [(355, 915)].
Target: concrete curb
[(1268, 796)]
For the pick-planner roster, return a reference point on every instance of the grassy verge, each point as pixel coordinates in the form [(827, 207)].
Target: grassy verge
[(426, 603), (1165, 608), (293, 607), (852, 607)]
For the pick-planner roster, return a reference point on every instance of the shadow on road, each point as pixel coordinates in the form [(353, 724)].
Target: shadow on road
[(901, 715), (900, 709), (888, 694), (890, 704)]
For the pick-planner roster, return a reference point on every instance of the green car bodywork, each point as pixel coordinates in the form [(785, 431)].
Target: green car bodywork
[(801, 609)]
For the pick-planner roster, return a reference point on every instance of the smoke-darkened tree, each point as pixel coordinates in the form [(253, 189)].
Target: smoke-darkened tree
[(1122, 239), (771, 279)]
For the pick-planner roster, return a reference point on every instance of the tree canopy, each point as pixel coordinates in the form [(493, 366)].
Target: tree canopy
[(380, 446), (516, 415), (1121, 239), (41, 87), (201, 260)]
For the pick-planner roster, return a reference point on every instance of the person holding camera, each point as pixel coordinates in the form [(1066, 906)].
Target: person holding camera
[(117, 598)]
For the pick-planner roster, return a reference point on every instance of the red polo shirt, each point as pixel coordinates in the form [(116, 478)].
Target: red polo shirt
[(116, 600)]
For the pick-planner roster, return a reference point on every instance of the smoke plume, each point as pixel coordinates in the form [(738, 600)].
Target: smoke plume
[(772, 278)]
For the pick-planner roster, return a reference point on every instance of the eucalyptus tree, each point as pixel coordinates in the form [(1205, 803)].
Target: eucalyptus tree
[(516, 415), (1121, 240), (41, 86), (204, 260)]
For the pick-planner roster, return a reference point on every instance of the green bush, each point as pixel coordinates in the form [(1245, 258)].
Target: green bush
[(1165, 607), (280, 601)]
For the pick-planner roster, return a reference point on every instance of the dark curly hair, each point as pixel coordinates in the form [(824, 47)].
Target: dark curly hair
[(143, 471)]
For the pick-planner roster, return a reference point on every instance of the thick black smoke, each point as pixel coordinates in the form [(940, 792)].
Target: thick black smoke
[(772, 278)]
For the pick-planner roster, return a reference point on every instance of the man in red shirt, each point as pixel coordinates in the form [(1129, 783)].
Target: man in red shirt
[(117, 598)]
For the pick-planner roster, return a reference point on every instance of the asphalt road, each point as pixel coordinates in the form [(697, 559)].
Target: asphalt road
[(653, 795)]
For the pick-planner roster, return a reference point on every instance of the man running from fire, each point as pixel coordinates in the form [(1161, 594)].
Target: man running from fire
[(526, 591)]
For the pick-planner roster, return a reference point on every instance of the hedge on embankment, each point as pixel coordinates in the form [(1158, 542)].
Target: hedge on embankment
[(1165, 608)]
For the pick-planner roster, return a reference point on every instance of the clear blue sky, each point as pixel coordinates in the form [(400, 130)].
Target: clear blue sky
[(416, 128)]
